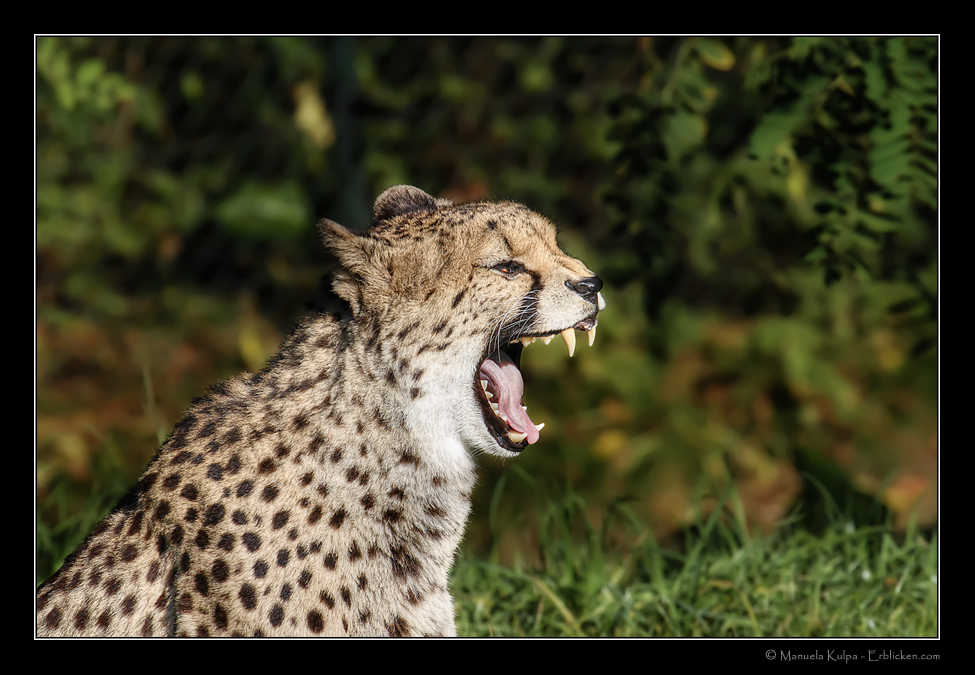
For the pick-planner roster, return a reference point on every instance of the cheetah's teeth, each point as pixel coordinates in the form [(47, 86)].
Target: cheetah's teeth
[(494, 406), (484, 384), (592, 334), (570, 340), (525, 341), (600, 303), (516, 437), (540, 426), (546, 340)]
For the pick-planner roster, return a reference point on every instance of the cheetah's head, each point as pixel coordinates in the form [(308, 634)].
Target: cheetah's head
[(468, 286)]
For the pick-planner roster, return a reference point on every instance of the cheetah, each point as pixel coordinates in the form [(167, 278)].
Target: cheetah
[(326, 494)]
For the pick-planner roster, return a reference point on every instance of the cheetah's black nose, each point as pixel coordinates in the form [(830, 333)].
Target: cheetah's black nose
[(587, 288)]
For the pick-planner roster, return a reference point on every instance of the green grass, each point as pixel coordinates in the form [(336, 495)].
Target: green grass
[(63, 520), (615, 580), (846, 581)]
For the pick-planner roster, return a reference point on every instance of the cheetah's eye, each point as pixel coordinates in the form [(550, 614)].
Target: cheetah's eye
[(509, 269)]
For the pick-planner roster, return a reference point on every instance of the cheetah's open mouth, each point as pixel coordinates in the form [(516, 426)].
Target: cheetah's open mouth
[(500, 387)]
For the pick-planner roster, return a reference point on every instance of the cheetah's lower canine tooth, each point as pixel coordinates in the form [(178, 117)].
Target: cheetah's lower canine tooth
[(516, 437), (569, 336), (592, 334)]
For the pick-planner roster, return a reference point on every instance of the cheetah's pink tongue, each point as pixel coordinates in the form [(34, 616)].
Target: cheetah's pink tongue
[(504, 381)]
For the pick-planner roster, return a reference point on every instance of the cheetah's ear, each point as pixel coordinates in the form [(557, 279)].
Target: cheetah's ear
[(363, 277), (402, 199)]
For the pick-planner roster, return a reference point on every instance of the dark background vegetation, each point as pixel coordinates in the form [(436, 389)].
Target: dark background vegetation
[(762, 210)]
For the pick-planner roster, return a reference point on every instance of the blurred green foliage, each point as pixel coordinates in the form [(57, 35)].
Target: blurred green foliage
[(746, 167), (763, 211)]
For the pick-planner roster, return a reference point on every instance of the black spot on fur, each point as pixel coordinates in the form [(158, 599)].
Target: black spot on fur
[(404, 565), (177, 535), (214, 514), (220, 570), (233, 465), (248, 597), (136, 524), (251, 541), (337, 519), (458, 298), (113, 586), (105, 619), (398, 627), (220, 617), (147, 481), (354, 552), (330, 561), (202, 584)]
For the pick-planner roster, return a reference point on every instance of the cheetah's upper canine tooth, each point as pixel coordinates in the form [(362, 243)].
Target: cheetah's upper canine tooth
[(570, 340), (600, 303)]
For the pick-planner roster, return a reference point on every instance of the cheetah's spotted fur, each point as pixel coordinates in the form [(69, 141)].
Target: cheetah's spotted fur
[(326, 494)]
